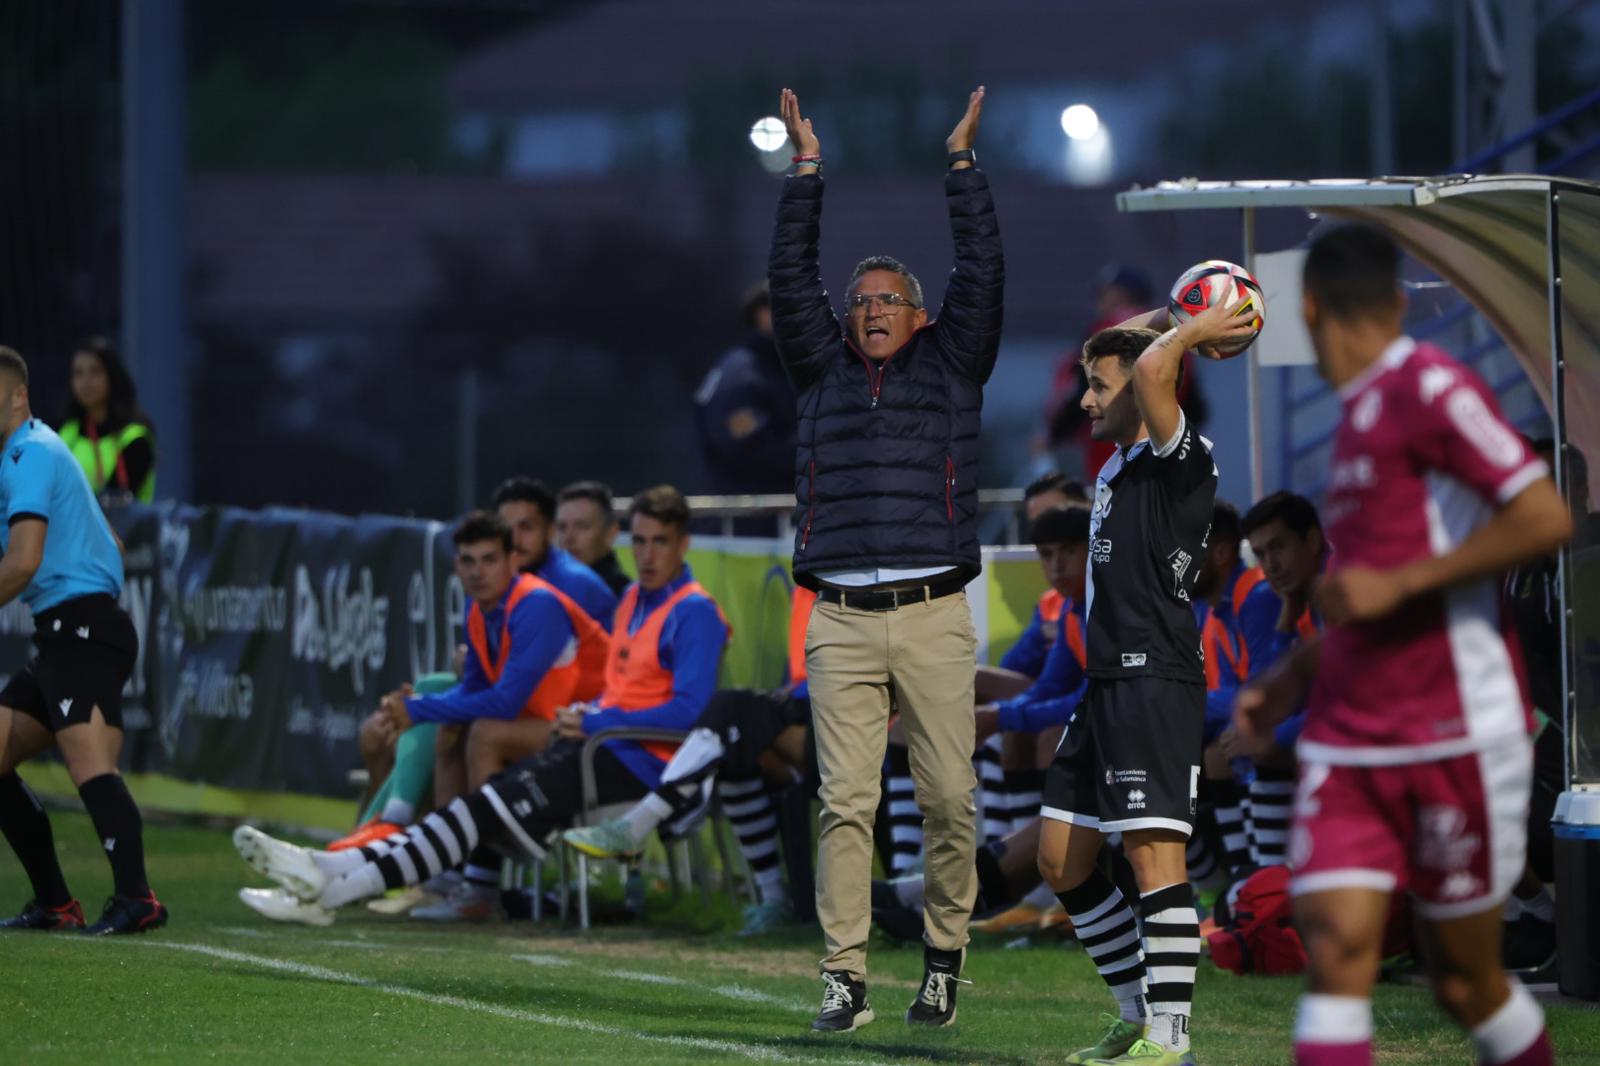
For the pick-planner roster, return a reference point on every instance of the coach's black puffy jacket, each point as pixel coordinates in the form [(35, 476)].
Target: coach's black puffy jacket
[(886, 472)]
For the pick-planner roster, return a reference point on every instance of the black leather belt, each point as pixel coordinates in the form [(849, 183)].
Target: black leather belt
[(890, 599)]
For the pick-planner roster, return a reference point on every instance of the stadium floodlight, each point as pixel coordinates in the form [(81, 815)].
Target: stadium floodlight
[(768, 134), (1080, 122)]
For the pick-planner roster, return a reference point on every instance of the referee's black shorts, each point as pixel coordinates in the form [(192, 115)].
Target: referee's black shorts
[(1130, 757), (86, 649)]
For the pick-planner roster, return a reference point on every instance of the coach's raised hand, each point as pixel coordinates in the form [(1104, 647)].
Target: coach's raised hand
[(965, 134), (800, 133)]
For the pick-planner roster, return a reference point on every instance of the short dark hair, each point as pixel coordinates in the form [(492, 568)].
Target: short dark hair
[(757, 297), (1353, 270), (1060, 525), (597, 491), (1294, 510), (522, 489), (1055, 481), (478, 526), (663, 503), (13, 363), (894, 266), (1127, 343), (1225, 523)]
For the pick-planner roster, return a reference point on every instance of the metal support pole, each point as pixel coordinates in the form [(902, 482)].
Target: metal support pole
[(1382, 92), (1518, 99), (1558, 420), (1253, 385), (155, 315)]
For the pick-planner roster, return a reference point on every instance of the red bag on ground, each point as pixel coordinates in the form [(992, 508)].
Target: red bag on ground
[(1261, 937)]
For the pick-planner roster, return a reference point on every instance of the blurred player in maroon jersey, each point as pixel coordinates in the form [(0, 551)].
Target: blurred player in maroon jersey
[(1415, 762)]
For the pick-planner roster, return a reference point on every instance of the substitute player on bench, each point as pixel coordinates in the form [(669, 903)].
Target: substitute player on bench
[(1415, 762), (64, 562), (1129, 761)]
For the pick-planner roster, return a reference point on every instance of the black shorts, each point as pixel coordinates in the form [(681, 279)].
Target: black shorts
[(749, 721), (1130, 758), (86, 651), (539, 796)]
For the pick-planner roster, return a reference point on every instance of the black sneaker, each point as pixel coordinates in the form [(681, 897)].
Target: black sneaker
[(844, 1004), (65, 918), (935, 1004), (124, 914)]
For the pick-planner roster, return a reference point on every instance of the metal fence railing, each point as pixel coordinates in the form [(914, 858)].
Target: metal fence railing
[(727, 511)]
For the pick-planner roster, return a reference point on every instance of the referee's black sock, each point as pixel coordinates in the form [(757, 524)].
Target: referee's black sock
[(121, 830), (27, 830)]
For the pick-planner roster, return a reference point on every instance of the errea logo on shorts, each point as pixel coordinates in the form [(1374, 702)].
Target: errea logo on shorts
[(1133, 658), (1136, 799)]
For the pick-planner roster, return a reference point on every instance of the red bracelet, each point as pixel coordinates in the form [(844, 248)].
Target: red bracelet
[(805, 159)]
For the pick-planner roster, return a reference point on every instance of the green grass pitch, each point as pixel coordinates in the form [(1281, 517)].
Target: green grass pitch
[(221, 984)]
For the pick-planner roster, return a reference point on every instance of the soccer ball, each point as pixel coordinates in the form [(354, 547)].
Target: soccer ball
[(1212, 282)]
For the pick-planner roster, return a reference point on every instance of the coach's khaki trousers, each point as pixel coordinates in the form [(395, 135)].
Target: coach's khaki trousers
[(923, 654)]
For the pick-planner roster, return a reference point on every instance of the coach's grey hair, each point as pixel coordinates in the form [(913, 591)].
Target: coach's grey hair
[(890, 263)]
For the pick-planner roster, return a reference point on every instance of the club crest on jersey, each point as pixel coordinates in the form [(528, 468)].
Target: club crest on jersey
[(1365, 413)]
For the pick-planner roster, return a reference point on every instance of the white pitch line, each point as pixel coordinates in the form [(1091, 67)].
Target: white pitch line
[(322, 973), (738, 992)]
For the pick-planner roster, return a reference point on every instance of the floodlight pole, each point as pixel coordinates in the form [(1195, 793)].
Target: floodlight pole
[(1253, 380)]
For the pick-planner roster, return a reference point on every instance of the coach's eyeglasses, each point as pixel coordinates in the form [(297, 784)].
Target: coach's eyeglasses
[(890, 303)]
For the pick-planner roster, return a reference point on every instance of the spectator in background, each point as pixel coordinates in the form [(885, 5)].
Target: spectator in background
[(745, 410), (104, 428), (1124, 292), (586, 528)]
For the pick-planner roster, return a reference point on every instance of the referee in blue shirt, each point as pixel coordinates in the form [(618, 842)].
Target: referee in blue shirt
[(64, 561)]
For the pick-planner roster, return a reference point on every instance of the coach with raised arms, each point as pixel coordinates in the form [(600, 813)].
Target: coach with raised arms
[(886, 477)]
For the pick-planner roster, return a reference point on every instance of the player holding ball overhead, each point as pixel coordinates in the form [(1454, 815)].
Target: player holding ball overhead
[(1129, 762)]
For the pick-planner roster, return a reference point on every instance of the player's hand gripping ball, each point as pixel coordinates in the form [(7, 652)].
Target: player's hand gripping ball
[(1217, 281)]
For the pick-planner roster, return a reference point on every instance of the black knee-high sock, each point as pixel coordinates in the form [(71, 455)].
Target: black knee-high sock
[(27, 829), (1109, 932), (1271, 810), (905, 817), (121, 830), (1228, 799)]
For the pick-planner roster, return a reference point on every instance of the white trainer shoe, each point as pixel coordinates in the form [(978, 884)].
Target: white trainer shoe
[(467, 902), (281, 906), (285, 863)]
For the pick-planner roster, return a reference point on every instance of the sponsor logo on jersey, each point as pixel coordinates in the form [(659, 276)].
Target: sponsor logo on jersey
[(1358, 473), (1434, 382), (1136, 799), (1133, 658), (1180, 561), (1100, 550)]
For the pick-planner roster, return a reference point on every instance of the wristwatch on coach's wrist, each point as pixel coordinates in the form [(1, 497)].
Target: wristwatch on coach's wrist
[(966, 155)]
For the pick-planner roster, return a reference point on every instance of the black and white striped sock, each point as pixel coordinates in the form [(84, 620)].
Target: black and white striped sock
[(992, 795), (1228, 803), (1109, 932), (1026, 788), (1172, 952), (905, 817), (749, 807), (1199, 857), (440, 841), (1271, 808)]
